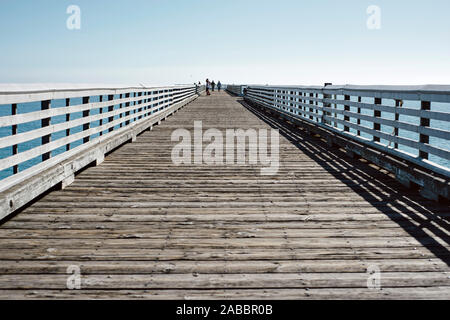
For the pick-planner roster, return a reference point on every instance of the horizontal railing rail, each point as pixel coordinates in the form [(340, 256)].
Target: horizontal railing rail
[(43, 126), (236, 89), (409, 122)]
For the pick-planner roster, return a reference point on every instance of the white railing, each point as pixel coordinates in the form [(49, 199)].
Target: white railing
[(412, 122), (236, 89), (41, 126)]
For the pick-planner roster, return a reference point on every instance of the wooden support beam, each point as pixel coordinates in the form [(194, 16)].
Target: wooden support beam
[(67, 181), (326, 105), (127, 104), (100, 159), (425, 123), (346, 108), (101, 112), (45, 105), (398, 103), (14, 132), (67, 120), (121, 115), (110, 109), (377, 114), (86, 126), (358, 121), (139, 103)]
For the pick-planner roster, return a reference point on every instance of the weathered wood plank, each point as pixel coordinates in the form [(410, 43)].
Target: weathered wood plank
[(242, 254), (222, 267), (226, 281), (419, 293), (225, 243)]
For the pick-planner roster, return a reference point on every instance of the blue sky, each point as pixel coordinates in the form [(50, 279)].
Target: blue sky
[(235, 41)]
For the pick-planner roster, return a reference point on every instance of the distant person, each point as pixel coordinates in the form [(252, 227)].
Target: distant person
[(219, 86), (213, 85), (207, 87)]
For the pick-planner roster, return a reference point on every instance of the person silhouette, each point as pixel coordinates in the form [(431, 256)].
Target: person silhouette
[(207, 87)]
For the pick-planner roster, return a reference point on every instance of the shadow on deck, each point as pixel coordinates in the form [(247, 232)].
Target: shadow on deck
[(427, 224)]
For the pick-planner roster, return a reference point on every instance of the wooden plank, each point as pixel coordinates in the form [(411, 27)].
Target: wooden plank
[(46, 253), (221, 267), (419, 293), (226, 281), (190, 231), (230, 243)]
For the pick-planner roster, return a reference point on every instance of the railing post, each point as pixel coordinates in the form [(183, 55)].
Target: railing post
[(111, 109), (291, 104), (301, 101), (120, 107), (398, 103), (424, 122), (317, 106), (139, 103), (346, 117), (358, 121), (325, 104), (377, 114), (67, 120), (145, 101), (45, 105), (275, 97), (165, 99), (282, 100), (134, 104), (87, 125), (127, 104), (101, 112), (14, 132)]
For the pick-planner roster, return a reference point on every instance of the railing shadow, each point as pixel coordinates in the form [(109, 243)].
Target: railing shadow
[(420, 218)]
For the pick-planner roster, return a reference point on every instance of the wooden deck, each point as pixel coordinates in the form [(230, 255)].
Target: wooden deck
[(140, 227)]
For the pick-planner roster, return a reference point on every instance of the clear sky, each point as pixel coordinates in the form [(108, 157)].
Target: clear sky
[(235, 41)]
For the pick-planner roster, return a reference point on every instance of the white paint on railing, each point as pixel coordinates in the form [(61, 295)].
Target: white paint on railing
[(236, 89), (318, 105), (125, 105)]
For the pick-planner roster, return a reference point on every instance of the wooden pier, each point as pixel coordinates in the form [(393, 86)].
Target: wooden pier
[(138, 226)]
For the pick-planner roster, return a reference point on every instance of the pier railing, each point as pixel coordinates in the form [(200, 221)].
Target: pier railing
[(48, 133), (236, 89), (408, 123)]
